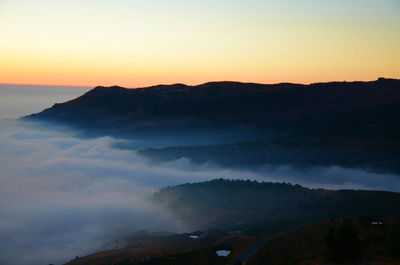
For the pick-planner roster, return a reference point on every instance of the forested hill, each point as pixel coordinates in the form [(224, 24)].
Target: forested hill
[(371, 109), (242, 204)]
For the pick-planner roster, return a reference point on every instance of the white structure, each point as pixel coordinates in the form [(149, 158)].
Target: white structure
[(223, 253)]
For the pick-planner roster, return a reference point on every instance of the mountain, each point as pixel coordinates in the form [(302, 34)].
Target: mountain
[(365, 109), (350, 124), (243, 205)]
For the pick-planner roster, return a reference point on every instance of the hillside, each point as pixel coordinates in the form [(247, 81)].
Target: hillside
[(298, 152), (248, 204), (305, 245), (290, 220)]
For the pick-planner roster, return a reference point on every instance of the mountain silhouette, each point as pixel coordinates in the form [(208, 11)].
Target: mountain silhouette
[(367, 109)]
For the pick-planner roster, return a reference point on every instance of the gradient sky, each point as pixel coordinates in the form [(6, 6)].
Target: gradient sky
[(145, 42)]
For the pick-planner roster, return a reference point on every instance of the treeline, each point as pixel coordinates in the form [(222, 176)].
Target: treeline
[(343, 244)]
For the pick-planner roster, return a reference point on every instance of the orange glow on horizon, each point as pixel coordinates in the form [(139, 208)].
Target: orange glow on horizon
[(140, 44)]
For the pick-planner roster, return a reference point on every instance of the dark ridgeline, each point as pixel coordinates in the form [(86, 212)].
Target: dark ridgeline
[(351, 124), (361, 108)]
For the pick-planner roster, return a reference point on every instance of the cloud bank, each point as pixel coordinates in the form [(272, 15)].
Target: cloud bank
[(62, 196)]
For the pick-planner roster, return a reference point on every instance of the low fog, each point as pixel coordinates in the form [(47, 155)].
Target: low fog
[(62, 196)]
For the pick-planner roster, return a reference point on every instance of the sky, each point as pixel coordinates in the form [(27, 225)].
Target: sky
[(21, 100), (138, 43)]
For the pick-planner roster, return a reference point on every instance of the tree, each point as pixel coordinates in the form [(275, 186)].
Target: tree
[(343, 244)]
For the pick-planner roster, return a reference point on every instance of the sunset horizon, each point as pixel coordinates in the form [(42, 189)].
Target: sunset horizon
[(199, 83), (137, 44)]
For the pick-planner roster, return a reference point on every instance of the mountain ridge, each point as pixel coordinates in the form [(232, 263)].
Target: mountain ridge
[(230, 104), (351, 124)]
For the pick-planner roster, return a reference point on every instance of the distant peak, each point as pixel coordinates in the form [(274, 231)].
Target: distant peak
[(175, 86), (108, 88), (104, 90), (213, 83), (383, 79)]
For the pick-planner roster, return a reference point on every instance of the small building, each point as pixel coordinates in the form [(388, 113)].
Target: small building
[(223, 253)]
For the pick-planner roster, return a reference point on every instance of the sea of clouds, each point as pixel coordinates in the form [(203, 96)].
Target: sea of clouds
[(63, 196)]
